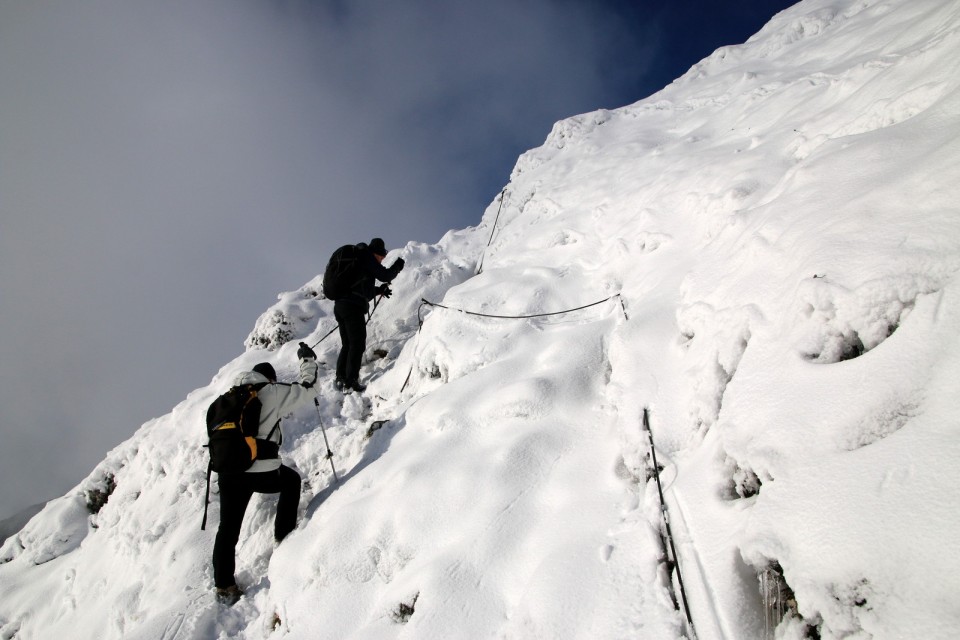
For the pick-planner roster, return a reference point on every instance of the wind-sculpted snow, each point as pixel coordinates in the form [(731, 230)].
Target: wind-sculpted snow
[(764, 254), (837, 324)]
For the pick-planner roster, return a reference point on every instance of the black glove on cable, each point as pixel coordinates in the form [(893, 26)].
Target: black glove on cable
[(385, 290)]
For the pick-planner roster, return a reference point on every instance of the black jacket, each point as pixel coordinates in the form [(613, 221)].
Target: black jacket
[(365, 289)]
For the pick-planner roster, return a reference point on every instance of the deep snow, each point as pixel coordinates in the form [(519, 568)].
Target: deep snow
[(777, 233)]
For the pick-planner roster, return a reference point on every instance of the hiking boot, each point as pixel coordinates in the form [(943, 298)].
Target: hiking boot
[(228, 596), (356, 386), (340, 385)]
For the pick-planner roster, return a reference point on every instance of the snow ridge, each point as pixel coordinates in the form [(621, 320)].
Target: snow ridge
[(781, 226)]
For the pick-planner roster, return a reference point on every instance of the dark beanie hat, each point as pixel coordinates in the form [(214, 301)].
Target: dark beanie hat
[(266, 370), (377, 246)]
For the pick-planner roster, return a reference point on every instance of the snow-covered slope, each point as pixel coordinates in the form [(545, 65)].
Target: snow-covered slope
[(775, 239)]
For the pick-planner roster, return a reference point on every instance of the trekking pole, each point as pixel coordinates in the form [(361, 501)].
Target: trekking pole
[(374, 310), (206, 499), (316, 402), (337, 326)]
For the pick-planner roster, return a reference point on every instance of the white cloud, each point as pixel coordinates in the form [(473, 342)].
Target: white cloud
[(167, 169)]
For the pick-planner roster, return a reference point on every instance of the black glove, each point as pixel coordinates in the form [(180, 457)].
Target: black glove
[(385, 290), (398, 265), (305, 352)]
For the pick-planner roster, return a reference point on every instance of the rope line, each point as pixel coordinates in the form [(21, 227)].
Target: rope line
[(424, 301), (492, 231)]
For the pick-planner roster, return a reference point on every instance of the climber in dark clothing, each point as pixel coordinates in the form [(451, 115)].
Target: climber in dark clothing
[(350, 309)]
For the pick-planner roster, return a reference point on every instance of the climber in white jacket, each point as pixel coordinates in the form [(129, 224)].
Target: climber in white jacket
[(267, 474)]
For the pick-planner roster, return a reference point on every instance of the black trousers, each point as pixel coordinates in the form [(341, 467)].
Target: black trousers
[(236, 489), (353, 338)]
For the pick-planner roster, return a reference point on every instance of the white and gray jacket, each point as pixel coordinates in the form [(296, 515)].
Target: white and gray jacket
[(277, 400)]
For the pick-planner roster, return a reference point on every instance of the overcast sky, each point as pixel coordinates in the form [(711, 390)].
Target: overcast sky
[(167, 168)]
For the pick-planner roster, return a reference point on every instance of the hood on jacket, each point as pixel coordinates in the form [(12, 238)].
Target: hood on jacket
[(249, 377)]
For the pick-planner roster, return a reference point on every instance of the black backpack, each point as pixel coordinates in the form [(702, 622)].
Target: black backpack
[(231, 419), (343, 271)]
